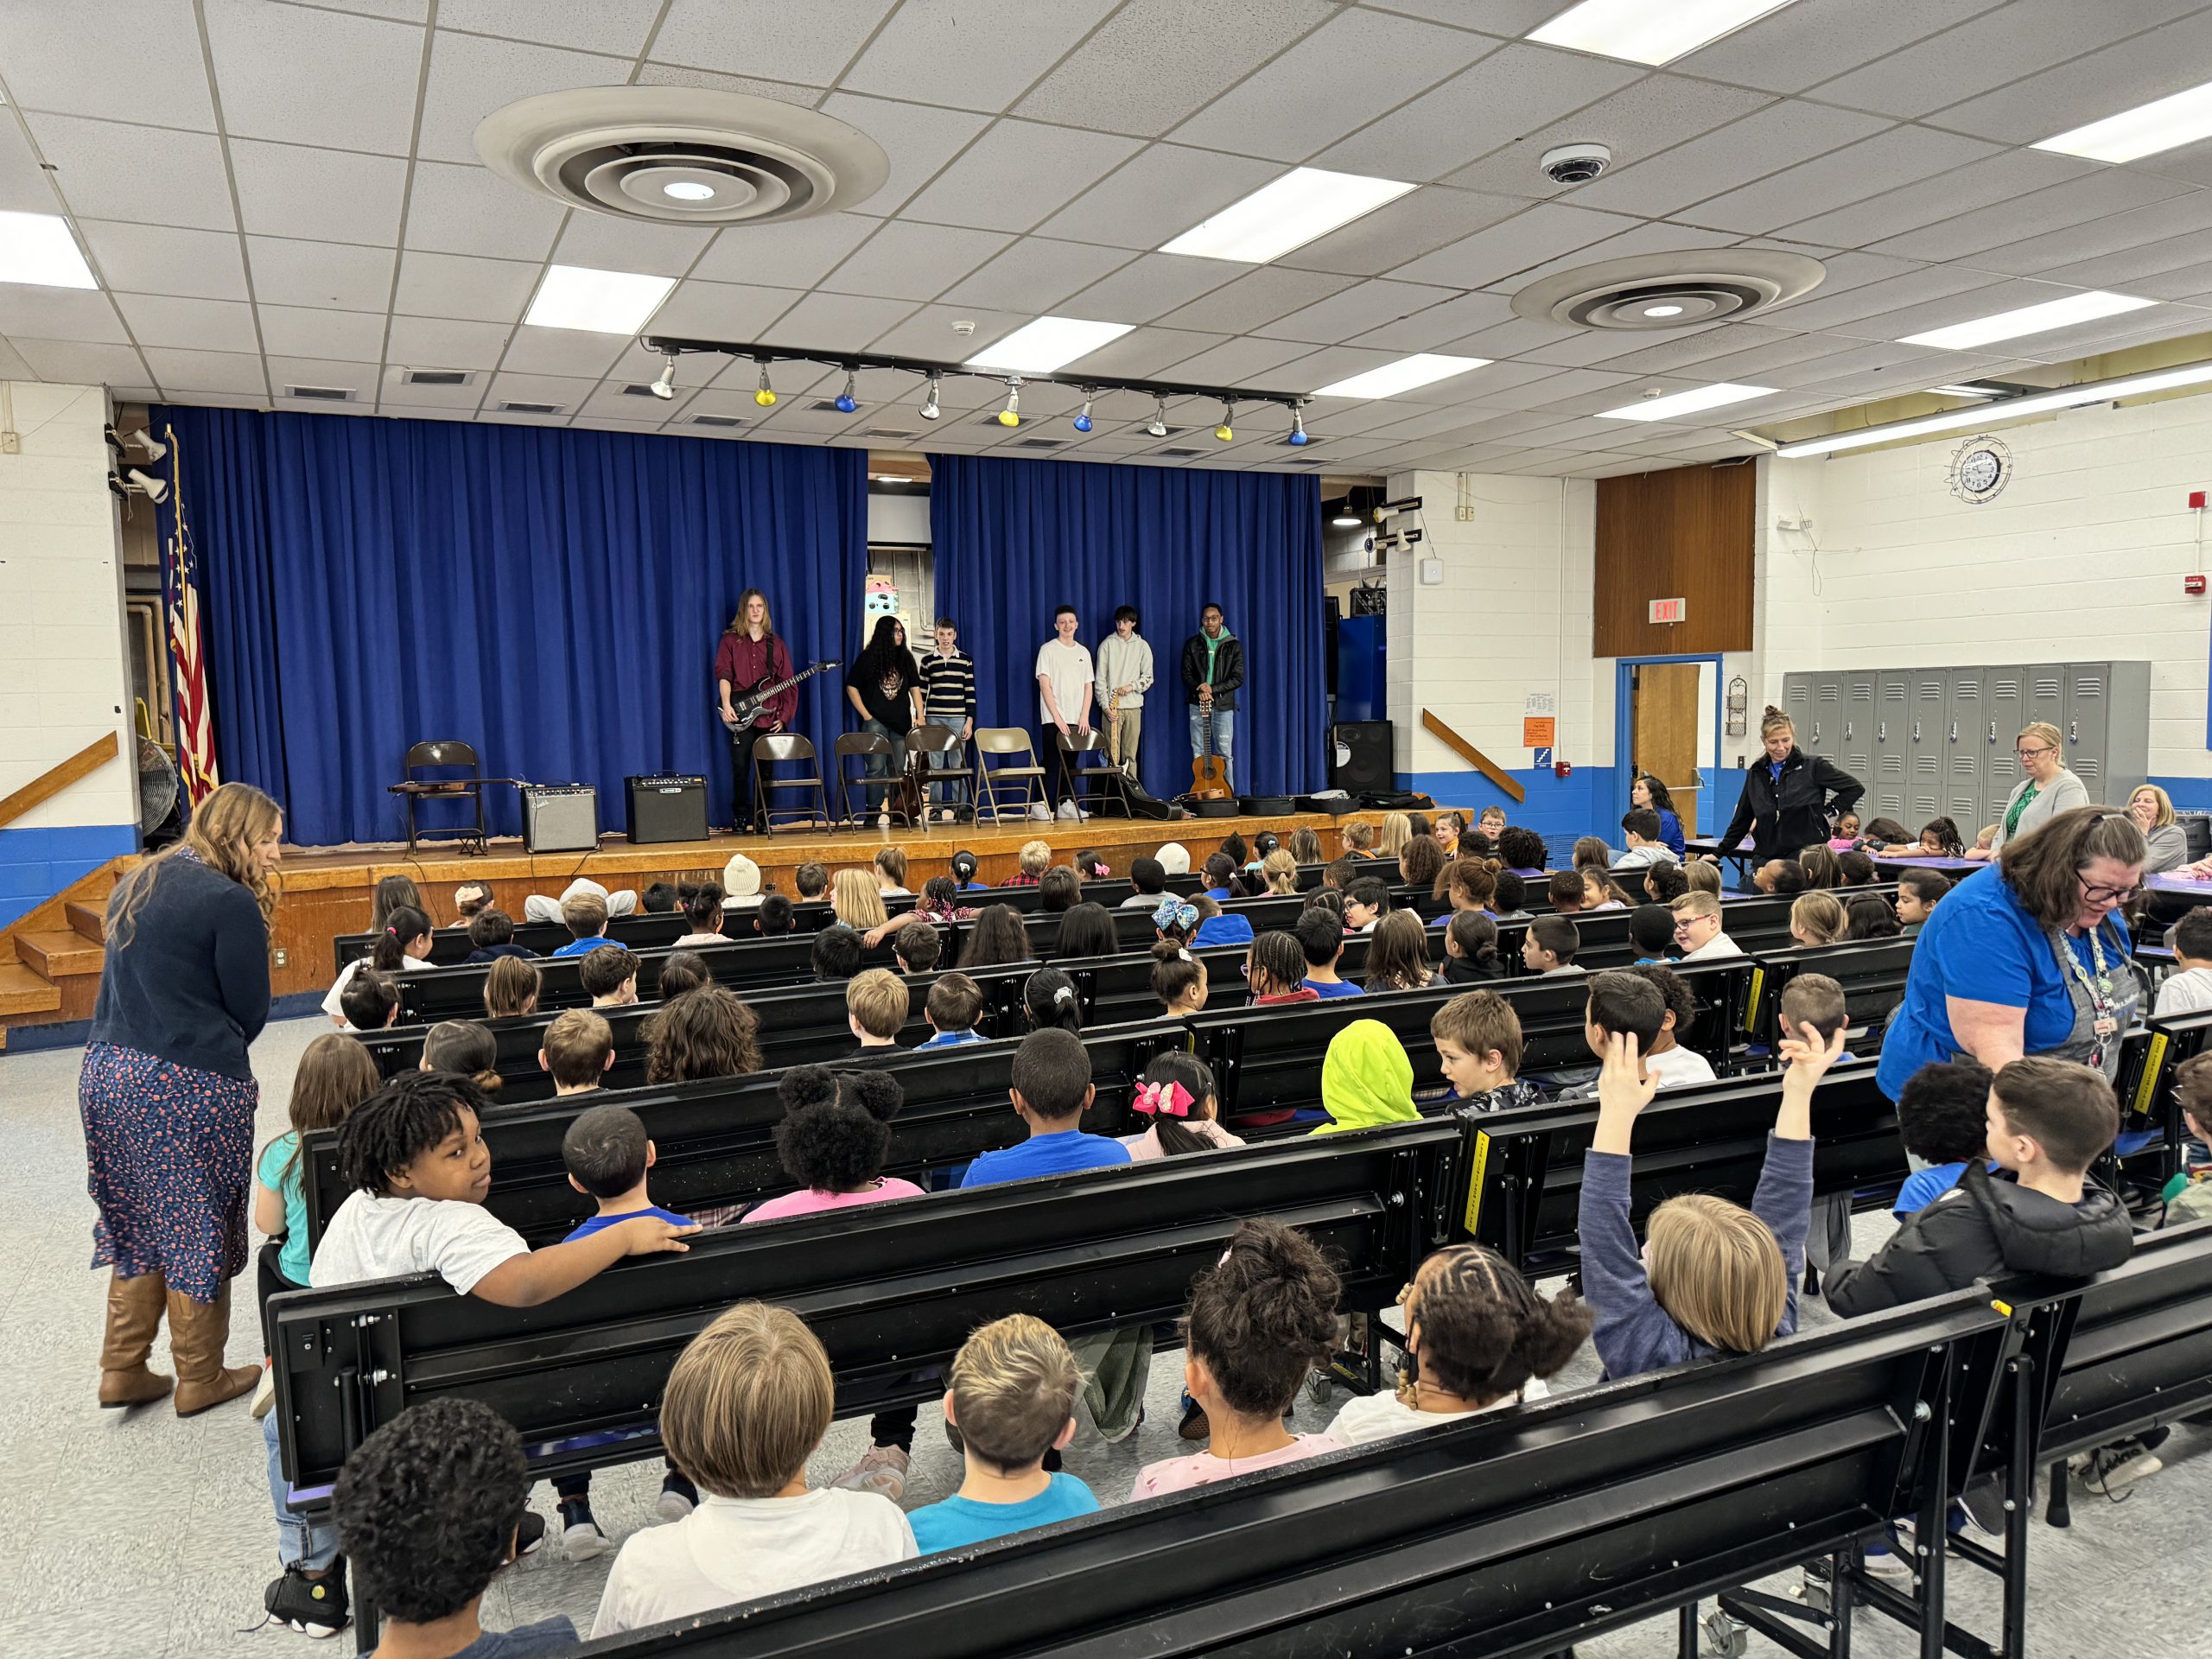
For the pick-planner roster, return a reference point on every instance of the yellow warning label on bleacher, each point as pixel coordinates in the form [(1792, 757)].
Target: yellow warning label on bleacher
[(1475, 1178), (2147, 1087), (1751, 1006)]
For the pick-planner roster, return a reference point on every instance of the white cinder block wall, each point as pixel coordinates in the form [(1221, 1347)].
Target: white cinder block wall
[(64, 667)]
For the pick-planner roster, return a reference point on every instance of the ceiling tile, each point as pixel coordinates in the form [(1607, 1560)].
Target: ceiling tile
[(974, 54), (1017, 174), (1995, 229), (456, 209), (927, 332), (395, 395), (1801, 45), (2000, 178), (1638, 121), (2154, 65), (109, 170), (1512, 92), (326, 195), (603, 242), (920, 140), (299, 331), (359, 90), (360, 378), (1639, 239), (203, 325), (1331, 83), (1849, 307), (1779, 135), (1239, 363), (85, 365), (1851, 174), (1262, 295), (24, 186), (58, 314), (187, 370), (1365, 305), (1144, 351), (794, 255), (1156, 61), (905, 261), (2170, 269), (151, 71), (457, 285), (678, 74), (157, 259), (1550, 387), (15, 367), (1157, 196), (2114, 232), (1425, 331), (835, 322), (616, 26), (811, 42), (1038, 273), (472, 75), (1151, 285), (1336, 363), (509, 388), (729, 311), (1545, 231), (442, 343), (350, 277), (568, 352)]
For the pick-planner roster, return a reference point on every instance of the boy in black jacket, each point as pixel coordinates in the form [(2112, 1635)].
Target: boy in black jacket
[(2049, 1120)]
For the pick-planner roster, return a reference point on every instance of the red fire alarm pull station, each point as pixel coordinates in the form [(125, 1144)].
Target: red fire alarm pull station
[(1562, 769), (2192, 585), (2196, 501)]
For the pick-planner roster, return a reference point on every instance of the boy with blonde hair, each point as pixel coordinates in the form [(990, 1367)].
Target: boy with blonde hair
[(1698, 930), (1479, 1043), (585, 914), (875, 1007), (578, 1047), (1033, 859), (1011, 1401)]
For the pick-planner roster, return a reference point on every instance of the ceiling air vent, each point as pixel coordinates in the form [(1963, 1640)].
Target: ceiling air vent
[(531, 409), (886, 432), (682, 155), (436, 377), (642, 389), (1041, 443), (321, 394), (1178, 452), (1670, 290), (716, 420)]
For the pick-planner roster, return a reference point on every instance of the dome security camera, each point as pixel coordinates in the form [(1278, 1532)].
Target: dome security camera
[(1575, 163)]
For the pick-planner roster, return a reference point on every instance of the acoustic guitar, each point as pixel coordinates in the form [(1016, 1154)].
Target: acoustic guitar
[(1210, 772), (751, 703)]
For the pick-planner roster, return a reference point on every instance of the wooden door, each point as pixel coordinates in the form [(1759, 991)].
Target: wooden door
[(1662, 732)]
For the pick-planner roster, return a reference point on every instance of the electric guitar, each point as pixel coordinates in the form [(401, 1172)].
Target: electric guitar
[(751, 703)]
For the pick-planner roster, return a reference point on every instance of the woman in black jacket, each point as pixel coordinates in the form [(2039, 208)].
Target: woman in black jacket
[(1788, 797)]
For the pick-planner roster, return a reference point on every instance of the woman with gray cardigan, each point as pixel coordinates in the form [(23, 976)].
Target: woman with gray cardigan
[(2153, 809), (2046, 788)]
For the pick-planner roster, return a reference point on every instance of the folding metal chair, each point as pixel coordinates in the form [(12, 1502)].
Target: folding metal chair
[(452, 755), (1094, 781), (786, 747), (933, 740), (992, 781)]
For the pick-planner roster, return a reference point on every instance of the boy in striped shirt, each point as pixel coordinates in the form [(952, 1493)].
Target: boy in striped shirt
[(949, 700)]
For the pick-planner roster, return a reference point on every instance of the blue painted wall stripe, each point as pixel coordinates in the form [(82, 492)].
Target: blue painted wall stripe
[(35, 864)]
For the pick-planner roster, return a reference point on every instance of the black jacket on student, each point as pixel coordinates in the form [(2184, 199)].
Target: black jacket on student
[(1984, 1228), (1788, 814), (1228, 669)]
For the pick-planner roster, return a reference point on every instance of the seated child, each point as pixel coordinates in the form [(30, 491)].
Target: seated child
[(1476, 1338), (710, 1032), (538, 907), (876, 1003), (702, 915), (1177, 1097), (812, 879), (1052, 1089), (2187, 989), (1259, 1320), (955, 1004), (660, 899), (1674, 1066), (370, 1002), (1815, 1003), (1366, 1079), (1640, 825), (1567, 892), (1549, 946), (746, 1405), (2189, 1194), (890, 873), (681, 972), (2049, 1120), (1323, 941), (585, 915), (426, 1510), (578, 1047), (461, 1048), (916, 945), (1219, 867), (1010, 1396), (1651, 930), (1471, 948), (1698, 930), (774, 918), (1917, 891), (837, 953), (1031, 860), (1721, 1279), (1366, 902), (1179, 980), (1479, 1043), (1274, 967), (1216, 926), (1665, 883), (512, 986), (492, 935), (469, 899), (1150, 881), (1340, 872), (1943, 1119), (608, 975), (1704, 876), (405, 944)]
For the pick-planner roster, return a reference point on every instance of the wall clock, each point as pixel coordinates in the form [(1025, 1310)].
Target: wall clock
[(1980, 468)]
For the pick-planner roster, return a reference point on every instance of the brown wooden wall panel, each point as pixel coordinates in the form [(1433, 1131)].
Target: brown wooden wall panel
[(1685, 533)]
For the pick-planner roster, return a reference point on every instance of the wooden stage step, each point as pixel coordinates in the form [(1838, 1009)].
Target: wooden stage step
[(59, 954), (89, 920), (23, 991)]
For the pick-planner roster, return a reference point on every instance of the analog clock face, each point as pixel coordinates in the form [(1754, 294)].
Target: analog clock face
[(1980, 468), (1979, 471)]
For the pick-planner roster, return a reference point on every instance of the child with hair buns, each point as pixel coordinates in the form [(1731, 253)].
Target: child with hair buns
[(1477, 1338)]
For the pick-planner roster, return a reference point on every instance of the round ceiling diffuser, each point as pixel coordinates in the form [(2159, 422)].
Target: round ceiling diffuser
[(1670, 290), (682, 155)]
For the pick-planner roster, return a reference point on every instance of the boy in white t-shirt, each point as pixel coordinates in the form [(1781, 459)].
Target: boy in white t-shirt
[(1065, 682), (415, 1158), (2188, 988), (1698, 930), (1675, 1066), (746, 1404)]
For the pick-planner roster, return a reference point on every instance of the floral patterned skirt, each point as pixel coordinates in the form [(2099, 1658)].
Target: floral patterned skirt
[(168, 1156)]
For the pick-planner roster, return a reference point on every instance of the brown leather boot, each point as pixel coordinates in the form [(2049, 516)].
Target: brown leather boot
[(134, 1314), (197, 1333)]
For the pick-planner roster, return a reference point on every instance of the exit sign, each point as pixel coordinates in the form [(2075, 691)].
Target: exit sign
[(1668, 610)]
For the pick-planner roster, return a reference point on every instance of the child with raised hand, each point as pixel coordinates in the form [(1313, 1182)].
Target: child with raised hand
[(746, 1404), (1259, 1322), (1010, 1401), (1721, 1279), (1476, 1338), (1177, 1097)]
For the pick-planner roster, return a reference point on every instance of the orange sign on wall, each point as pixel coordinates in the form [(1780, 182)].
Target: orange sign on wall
[(1536, 731)]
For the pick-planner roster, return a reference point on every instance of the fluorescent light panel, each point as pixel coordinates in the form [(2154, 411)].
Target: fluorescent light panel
[(1648, 31), (1422, 369), (2097, 391), (2029, 320), (1041, 346), (37, 249), (1693, 402), (1303, 204), (2168, 121), (600, 301)]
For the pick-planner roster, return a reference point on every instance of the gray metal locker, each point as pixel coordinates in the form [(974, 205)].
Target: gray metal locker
[(2107, 727), (2046, 695), (1927, 770), (1855, 752), (2006, 692), (1825, 736), (1892, 743), (1964, 746), (1796, 703)]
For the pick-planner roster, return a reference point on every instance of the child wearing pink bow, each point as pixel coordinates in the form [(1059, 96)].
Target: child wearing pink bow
[(1177, 1097)]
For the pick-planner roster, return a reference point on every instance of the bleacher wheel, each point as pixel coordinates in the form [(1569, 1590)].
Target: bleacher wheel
[(1724, 1637), (1319, 1385)]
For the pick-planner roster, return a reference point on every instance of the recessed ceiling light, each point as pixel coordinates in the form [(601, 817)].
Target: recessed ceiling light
[(1346, 521), (2181, 119), (1041, 346), (37, 248), (1404, 375), (1693, 401), (1306, 202), (1641, 31), (603, 301), (1966, 391), (688, 190), (2029, 320), (1662, 310), (2042, 403)]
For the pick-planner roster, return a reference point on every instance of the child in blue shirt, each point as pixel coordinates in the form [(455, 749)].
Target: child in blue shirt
[(585, 914), (1052, 1089), (955, 1004), (1943, 1119), (1010, 1402)]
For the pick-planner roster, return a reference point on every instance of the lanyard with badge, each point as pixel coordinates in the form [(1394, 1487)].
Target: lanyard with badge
[(2097, 985)]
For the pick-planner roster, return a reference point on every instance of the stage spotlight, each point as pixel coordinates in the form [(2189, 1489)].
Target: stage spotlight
[(1158, 425), (766, 396), (846, 402), (154, 489), (1297, 438), (1082, 421), (1011, 415), (666, 386), (1225, 431), (929, 411)]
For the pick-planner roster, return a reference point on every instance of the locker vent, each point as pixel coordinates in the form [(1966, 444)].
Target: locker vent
[(2048, 688), (1966, 690), (1862, 692), (1893, 766), (2007, 688), (1830, 693), (2090, 685)]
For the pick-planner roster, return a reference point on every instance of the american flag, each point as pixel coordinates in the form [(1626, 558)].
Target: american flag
[(195, 730)]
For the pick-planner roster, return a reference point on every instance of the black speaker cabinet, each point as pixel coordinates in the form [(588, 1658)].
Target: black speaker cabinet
[(668, 808), (560, 818), (1360, 757)]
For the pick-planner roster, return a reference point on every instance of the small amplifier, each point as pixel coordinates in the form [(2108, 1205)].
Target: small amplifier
[(559, 817), (670, 808)]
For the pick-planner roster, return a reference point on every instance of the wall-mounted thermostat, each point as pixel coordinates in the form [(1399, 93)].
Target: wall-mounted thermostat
[(1432, 573)]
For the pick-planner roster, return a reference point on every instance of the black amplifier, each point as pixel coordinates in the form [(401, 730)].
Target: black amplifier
[(666, 808)]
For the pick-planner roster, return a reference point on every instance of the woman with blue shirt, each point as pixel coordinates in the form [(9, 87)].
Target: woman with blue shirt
[(2027, 957), (1648, 791)]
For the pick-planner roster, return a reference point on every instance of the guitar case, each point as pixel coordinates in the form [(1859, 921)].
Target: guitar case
[(1199, 809), (1264, 806), (1145, 805), (1337, 804)]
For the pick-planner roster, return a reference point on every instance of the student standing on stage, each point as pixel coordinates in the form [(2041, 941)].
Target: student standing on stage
[(949, 698), (1064, 681), (1124, 676), (884, 689), (749, 655), (1213, 669)]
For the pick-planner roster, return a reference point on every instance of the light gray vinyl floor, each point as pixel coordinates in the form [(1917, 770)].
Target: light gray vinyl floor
[(134, 1533)]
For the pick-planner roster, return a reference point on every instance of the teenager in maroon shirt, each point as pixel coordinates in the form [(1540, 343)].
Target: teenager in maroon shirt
[(750, 653)]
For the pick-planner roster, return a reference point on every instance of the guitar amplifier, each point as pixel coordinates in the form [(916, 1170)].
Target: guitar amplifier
[(666, 808), (1360, 756), (559, 817)]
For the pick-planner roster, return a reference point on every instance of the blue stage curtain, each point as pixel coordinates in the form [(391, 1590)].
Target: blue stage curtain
[(552, 596), (1016, 538)]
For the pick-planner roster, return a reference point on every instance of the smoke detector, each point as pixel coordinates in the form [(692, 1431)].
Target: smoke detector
[(1670, 290), (682, 155)]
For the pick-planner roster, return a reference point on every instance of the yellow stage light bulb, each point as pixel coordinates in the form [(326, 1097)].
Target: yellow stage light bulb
[(1008, 417)]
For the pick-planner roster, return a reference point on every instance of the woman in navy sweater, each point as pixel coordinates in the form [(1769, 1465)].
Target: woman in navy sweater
[(168, 1097)]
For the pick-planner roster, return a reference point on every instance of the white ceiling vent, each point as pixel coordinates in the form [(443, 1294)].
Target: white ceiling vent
[(321, 394), (1670, 290), (682, 155)]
